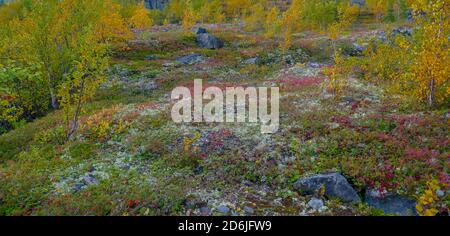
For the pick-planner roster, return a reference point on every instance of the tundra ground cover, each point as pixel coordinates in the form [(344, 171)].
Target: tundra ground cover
[(129, 158), (363, 111)]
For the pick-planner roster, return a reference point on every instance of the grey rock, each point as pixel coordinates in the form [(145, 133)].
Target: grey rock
[(150, 57), (156, 4), (148, 86), (199, 30), (194, 203), (205, 211), (361, 3), (359, 48), (290, 57), (190, 59), (4, 126), (314, 64), (355, 50), (198, 170), (223, 209), (78, 187), (252, 60), (391, 203), (190, 204), (316, 204), (405, 31), (249, 210), (335, 186), (209, 41), (90, 179), (440, 193)]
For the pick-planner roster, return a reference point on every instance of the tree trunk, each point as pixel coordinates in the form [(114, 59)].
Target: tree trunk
[(77, 112), (54, 99), (54, 102), (431, 94)]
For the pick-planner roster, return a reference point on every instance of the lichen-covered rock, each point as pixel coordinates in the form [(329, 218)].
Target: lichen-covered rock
[(252, 60), (223, 209), (209, 41), (291, 57), (391, 203), (316, 204), (190, 59), (335, 186)]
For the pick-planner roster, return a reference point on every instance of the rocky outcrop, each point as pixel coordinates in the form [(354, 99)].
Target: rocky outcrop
[(334, 183)]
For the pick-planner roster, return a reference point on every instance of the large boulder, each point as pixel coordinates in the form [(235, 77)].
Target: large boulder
[(335, 186), (208, 41), (391, 203)]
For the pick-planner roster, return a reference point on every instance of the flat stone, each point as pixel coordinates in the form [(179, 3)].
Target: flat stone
[(205, 211), (249, 210), (190, 59), (223, 209), (391, 203), (252, 60)]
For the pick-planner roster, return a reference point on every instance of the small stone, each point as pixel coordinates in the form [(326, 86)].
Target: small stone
[(150, 57), (348, 99), (205, 211), (440, 193), (190, 204), (223, 209), (249, 210), (198, 170), (252, 60), (447, 115), (316, 204), (314, 64), (334, 125), (78, 187), (90, 179), (168, 64)]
